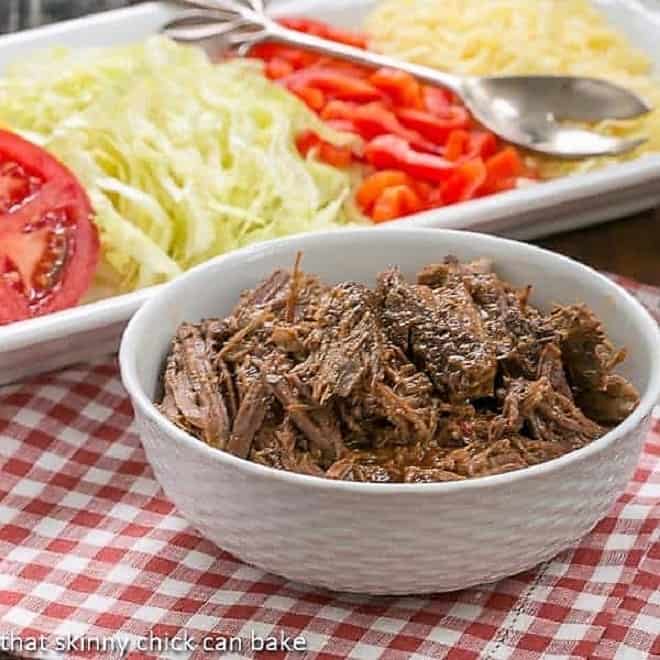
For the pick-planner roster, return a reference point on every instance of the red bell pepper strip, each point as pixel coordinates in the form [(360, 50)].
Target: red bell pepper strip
[(374, 119), (437, 100), (338, 110), (325, 31), (393, 152), (335, 83), (465, 182), (395, 202), (434, 127), (465, 146), (456, 144), (278, 68), (481, 145), (313, 98), (328, 153), (297, 57), (345, 125), (335, 156), (401, 87), (354, 39), (344, 66), (506, 164), (503, 171), (317, 28), (430, 193), (306, 141), (374, 185)]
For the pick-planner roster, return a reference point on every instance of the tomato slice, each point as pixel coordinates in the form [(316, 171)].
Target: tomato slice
[(49, 246)]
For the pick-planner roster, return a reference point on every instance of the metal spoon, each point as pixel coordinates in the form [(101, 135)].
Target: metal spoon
[(523, 110)]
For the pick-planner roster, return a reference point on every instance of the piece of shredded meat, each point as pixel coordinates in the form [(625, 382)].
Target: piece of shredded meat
[(453, 377), (442, 331)]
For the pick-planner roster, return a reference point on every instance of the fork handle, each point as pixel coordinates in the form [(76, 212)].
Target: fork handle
[(276, 32)]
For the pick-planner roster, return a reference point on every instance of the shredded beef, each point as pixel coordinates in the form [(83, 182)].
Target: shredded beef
[(610, 404), (318, 425), (590, 358), (249, 418), (441, 329), (192, 387), (345, 344), (517, 331), (453, 377)]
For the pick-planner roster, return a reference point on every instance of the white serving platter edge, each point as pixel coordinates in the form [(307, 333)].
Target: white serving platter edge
[(92, 330)]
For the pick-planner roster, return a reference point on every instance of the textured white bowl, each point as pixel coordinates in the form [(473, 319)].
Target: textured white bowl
[(380, 538)]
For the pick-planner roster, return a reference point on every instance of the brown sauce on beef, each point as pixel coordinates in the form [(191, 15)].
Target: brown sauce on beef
[(451, 377)]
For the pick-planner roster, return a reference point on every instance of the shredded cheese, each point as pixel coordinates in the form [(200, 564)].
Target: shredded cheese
[(497, 37)]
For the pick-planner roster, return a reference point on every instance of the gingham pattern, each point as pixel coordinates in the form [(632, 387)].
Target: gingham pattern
[(89, 545)]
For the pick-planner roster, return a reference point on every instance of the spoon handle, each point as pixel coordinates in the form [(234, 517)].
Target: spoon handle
[(276, 32)]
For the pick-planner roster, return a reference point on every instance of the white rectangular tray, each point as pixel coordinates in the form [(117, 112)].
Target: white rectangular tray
[(88, 331)]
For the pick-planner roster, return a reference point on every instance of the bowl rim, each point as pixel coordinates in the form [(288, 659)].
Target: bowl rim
[(643, 321)]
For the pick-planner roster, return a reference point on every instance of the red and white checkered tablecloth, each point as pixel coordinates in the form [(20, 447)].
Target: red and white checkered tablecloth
[(89, 545)]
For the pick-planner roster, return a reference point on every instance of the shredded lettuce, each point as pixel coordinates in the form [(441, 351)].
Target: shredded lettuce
[(183, 159)]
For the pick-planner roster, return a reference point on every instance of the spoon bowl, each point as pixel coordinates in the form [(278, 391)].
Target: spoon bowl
[(526, 110)]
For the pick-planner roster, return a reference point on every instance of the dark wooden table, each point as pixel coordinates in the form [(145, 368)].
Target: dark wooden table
[(630, 246)]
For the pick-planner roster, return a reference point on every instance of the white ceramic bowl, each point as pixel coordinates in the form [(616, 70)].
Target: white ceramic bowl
[(380, 538)]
